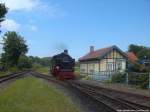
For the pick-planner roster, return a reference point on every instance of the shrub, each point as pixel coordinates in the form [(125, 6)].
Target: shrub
[(14, 69), (24, 63), (78, 76), (140, 80), (36, 66), (86, 77), (118, 78)]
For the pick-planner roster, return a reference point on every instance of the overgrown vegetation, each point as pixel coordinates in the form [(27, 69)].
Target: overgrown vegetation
[(119, 78), (135, 79), (140, 80), (41, 69), (33, 95)]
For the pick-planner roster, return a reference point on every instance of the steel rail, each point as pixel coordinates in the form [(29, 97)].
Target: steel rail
[(112, 102), (11, 76)]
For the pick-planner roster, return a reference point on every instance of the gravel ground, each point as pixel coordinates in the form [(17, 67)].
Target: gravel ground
[(119, 87), (80, 100), (123, 88)]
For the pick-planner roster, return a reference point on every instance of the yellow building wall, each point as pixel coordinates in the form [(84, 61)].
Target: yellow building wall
[(114, 53), (96, 67), (117, 54), (83, 68), (103, 65), (90, 67)]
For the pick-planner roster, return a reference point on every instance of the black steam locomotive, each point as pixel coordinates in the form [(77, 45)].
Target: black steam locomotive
[(62, 66)]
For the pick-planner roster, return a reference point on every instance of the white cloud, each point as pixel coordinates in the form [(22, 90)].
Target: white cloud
[(47, 8), (21, 4), (32, 28), (10, 25)]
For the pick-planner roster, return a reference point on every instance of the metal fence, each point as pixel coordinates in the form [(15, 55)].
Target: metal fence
[(101, 76), (129, 78)]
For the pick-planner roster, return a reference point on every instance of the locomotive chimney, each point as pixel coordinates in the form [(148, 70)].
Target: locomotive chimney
[(66, 51), (91, 49)]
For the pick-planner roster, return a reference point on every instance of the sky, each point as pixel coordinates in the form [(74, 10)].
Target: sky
[(49, 26)]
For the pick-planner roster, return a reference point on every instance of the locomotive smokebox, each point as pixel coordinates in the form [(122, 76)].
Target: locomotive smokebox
[(66, 51)]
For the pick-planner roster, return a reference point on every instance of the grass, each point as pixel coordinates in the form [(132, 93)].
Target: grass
[(43, 70), (4, 73), (33, 95), (9, 71)]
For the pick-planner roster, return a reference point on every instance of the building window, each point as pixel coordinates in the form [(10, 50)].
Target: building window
[(91, 71), (82, 70), (119, 65), (110, 66)]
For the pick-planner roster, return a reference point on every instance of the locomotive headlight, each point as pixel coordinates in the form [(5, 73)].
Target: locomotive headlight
[(57, 67)]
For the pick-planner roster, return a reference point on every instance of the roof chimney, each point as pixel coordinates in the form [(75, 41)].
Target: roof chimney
[(91, 49), (66, 51)]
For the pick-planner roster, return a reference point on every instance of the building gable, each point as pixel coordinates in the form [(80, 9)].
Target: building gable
[(114, 54)]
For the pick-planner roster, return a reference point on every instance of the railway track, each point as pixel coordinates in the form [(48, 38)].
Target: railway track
[(11, 76), (115, 104), (49, 78)]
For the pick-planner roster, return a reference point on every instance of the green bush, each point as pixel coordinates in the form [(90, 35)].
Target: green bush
[(78, 76), (136, 79), (36, 66), (140, 80), (24, 63), (86, 77), (119, 78), (13, 69)]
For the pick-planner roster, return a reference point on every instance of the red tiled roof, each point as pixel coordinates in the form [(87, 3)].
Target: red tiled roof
[(96, 54), (132, 57)]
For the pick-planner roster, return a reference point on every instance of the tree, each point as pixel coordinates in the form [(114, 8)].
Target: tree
[(144, 54), (45, 61), (135, 48), (14, 47), (140, 51), (3, 11), (24, 62)]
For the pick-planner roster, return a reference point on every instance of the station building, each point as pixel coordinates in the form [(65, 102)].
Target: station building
[(104, 61)]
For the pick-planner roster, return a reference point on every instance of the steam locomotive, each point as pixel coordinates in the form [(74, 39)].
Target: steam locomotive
[(62, 66)]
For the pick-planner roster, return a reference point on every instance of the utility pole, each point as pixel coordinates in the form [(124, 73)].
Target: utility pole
[(149, 81), (1, 48)]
